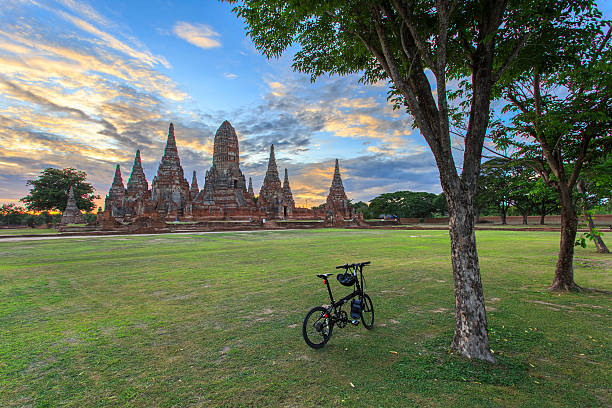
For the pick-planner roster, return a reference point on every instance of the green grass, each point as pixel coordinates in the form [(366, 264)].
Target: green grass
[(215, 320), (27, 231)]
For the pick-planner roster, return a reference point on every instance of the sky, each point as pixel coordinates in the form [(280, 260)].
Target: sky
[(84, 84)]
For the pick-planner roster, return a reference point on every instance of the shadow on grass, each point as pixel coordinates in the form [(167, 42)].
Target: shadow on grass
[(433, 366)]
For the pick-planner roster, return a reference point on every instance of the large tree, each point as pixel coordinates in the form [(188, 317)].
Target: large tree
[(404, 204), (418, 46), (50, 190), (561, 108)]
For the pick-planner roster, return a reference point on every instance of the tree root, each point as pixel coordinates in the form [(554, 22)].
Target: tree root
[(565, 287)]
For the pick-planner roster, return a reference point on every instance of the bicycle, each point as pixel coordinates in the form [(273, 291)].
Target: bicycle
[(320, 321)]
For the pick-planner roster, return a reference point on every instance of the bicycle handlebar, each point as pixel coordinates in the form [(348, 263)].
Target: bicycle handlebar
[(347, 266)]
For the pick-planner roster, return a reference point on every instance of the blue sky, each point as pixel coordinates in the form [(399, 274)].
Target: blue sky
[(84, 84)]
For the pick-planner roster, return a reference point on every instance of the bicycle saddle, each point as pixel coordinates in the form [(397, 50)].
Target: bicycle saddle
[(324, 275)]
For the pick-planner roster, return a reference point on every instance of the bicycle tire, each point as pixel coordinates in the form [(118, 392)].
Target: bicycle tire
[(367, 312), (312, 331)]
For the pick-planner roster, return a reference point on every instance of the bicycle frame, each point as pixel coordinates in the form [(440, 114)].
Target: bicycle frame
[(357, 292)]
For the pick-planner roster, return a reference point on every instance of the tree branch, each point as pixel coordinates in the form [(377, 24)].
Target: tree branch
[(415, 35), (517, 48), (442, 6)]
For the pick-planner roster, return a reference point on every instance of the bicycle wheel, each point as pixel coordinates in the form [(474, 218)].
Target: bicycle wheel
[(367, 312), (317, 327)]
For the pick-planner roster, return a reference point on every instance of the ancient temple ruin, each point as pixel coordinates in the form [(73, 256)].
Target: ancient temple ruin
[(337, 202), (224, 195), (225, 185), (275, 198), (170, 189), (72, 214)]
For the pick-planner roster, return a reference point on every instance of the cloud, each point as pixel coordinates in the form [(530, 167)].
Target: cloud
[(77, 96), (200, 35), (229, 75), (86, 11), (364, 177)]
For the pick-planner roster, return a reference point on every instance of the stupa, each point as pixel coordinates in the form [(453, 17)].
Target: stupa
[(337, 202), (115, 200), (72, 214), (169, 189)]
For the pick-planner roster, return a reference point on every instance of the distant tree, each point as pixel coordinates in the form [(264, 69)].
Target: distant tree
[(545, 199), (361, 207), (440, 205), (404, 204), (494, 187), (49, 191), (11, 214)]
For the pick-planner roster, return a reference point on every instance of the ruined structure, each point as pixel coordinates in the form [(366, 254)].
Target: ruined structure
[(169, 189), (137, 194), (289, 203), (225, 185), (274, 198), (337, 203), (115, 200), (224, 195), (72, 214), (193, 192)]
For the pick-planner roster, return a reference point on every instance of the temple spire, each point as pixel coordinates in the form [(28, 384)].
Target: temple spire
[(117, 191), (337, 181), (137, 181), (270, 195), (171, 142), (170, 161), (117, 180), (272, 161), (287, 194), (194, 186), (137, 161), (251, 193), (337, 200)]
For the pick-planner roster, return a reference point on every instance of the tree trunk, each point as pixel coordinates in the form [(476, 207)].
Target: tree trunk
[(564, 272), (502, 213), (542, 216), (471, 336), (599, 243), (477, 216), (524, 218)]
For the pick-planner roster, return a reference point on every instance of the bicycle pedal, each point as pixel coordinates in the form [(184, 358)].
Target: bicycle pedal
[(355, 322)]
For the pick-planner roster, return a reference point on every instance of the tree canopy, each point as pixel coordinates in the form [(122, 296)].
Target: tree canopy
[(50, 190), (406, 204)]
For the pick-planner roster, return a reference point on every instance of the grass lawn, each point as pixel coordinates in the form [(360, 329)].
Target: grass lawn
[(215, 320), (27, 231)]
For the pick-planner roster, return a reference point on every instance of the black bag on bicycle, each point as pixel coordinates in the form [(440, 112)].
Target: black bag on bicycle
[(356, 309), (346, 279)]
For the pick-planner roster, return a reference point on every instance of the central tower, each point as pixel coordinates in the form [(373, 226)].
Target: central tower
[(225, 184), (226, 154)]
